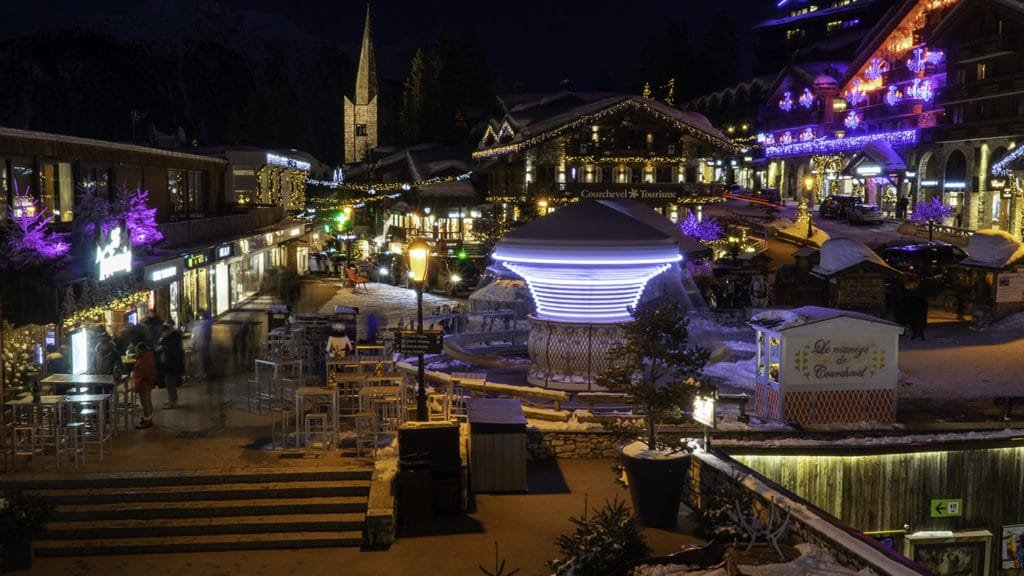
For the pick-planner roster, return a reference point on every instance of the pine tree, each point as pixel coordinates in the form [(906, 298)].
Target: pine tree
[(29, 239), (140, 220), (411, 114)]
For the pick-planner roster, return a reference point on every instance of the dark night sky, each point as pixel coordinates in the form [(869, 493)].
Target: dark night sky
[(539, 42)]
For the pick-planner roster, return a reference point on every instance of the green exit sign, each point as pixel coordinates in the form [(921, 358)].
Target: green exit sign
[(946, 508)]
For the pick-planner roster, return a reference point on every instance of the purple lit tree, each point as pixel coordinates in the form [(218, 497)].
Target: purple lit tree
[(931, 212), (29, 240), (139, 218), (92, 214), (706, 230)]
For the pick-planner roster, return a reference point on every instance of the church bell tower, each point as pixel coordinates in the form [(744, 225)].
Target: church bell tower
[(361, 119)]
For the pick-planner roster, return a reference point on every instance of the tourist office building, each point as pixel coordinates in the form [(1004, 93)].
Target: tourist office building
[(210, 254), (549, 151)]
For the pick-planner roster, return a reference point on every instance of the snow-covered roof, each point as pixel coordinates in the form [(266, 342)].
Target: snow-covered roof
[(839, 254), (992, 249), (878, 152), (588, 223), (526, 126), (782, 320), (651, 217)]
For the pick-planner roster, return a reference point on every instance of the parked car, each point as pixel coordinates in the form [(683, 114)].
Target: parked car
[(849, 208), (929, 260)]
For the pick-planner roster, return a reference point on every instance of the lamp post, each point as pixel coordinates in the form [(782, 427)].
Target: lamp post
[(808, 190), (419, 255)]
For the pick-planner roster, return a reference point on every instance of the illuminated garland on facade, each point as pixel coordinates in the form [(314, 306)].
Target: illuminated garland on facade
[(373, 187), (77, 318), (632, 103), (1002, 167), (625, 159), (849, 144)]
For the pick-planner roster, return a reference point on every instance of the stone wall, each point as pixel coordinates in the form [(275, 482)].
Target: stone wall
[(569, 444)]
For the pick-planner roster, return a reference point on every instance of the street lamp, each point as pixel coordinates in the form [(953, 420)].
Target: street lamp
[(808, 190), (419, 255)]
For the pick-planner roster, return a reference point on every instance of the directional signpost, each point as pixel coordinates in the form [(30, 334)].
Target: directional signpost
[(426, 342), (947, 508)]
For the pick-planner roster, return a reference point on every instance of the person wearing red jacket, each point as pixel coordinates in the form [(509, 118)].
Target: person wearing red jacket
[(144, 380)]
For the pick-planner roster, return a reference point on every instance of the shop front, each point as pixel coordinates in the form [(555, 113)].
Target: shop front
[(164, 282), (195, 295)]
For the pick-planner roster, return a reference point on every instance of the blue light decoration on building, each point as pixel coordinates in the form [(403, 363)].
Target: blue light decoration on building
[(856, 95), (852, 120), (917, 60), (875, 69), (896, 139), (807, 99), (786, 137), (807, 135), (921, 90), (893, 96), (1002, 167), (786, 103)]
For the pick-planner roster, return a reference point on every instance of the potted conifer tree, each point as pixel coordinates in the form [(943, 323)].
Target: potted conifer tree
[(22, 518), (655, 365)]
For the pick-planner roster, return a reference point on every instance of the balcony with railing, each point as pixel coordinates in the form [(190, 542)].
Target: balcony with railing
[(201, 230)]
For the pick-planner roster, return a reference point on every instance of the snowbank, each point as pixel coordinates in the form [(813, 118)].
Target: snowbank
[(838, 254), (993, 249)]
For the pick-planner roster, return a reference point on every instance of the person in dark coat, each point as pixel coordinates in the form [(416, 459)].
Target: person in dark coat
[(106, 359), (916, 309), (153, 327), (171, 363)]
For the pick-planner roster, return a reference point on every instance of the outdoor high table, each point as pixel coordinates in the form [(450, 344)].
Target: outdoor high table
[(278, 368), (96, 383), (43, 416), (101, 433), (314, 393)]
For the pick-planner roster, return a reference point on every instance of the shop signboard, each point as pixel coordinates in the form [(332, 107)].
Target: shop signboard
[(223, 251), (1010, 287), (113, 253), (704, 409), (839, 359), (163, 273), (196, 259), (414, 342)]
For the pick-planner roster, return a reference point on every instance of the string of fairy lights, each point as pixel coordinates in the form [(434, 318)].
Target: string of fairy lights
[(631, 103)]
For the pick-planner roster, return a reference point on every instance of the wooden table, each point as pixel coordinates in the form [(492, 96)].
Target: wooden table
[(61, 383)]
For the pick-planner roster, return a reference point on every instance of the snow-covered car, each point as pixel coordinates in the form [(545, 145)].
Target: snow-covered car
[(864, 213)]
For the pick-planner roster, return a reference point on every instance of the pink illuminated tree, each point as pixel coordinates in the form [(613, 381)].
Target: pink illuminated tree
[(29, 239), (931, 212), (132, 207), (706, 230)]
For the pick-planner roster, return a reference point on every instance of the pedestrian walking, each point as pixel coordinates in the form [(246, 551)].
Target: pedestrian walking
[(202, 336), (143, 382), (171, 363)]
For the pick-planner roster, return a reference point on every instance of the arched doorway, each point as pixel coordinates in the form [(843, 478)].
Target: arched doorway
[(954, 185)]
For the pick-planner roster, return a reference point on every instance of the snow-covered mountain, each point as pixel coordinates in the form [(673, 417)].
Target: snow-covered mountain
[(225, 76)]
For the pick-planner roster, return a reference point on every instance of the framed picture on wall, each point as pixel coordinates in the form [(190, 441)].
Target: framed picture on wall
[(951, 553), (1011, 547)]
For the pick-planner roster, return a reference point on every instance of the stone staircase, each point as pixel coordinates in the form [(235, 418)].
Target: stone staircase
[(147, 513)]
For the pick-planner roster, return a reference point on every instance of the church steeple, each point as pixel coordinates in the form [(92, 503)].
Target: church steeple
[(361, 119), (366, 77)]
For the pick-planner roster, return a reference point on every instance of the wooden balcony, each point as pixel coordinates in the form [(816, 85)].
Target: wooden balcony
[(200, 230)]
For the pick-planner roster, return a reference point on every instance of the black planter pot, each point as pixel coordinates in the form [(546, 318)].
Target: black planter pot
[(656, 487), (17, 555)]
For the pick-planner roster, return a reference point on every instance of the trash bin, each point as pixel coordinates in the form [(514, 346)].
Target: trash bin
[(430, 471), (497, 438), (277, 316)]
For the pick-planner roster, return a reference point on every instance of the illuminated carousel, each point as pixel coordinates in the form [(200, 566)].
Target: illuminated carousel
[(585, 265)]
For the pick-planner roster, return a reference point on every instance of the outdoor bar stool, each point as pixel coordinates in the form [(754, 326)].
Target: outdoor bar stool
[(24, 444), (281, 428), (315, 431), (71, 442), (367, 430)]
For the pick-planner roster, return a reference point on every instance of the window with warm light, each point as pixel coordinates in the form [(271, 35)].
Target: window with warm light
[(982, 69)]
